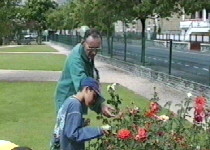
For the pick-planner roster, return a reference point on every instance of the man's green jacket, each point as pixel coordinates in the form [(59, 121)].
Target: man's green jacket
[(77, 67)]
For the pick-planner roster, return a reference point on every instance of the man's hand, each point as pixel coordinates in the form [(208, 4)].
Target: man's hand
[(107, 110)]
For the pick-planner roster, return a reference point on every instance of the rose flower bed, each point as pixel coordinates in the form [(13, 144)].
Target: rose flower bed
[(135, 129)]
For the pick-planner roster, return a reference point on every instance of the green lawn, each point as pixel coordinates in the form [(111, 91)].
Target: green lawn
[(51, 62), (29, 48), (27, 111)]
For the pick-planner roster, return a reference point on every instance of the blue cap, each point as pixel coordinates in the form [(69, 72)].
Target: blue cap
[(92, 83)]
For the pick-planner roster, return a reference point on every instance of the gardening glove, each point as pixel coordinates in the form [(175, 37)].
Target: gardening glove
[(106, 129)]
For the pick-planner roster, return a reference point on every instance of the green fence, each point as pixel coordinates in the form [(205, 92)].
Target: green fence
[(117, 46), (66, 39)]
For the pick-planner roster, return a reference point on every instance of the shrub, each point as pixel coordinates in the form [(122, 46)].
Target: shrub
[(137, 129)]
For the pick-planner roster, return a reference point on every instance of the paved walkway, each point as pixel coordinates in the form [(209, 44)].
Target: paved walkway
[(108, 74)]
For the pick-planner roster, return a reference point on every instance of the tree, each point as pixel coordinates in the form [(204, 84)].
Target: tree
[(144, 9), (36, 15), (18, 22), (63, 17), (8, 10), (84, 12), (55, 19), (190, 6), (96, 13)]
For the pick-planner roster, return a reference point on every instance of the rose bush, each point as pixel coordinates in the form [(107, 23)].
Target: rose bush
[(155, 129)]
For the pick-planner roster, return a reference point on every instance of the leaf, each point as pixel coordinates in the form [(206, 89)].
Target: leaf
[(168, 104), (109, 101)]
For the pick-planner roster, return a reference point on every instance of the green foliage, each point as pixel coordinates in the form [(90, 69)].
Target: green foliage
[(8, 11), (190, 6), (36, 12), (129, 98), (27, 113), (62, 18), (151, 131), (85, 12), (55, 19)]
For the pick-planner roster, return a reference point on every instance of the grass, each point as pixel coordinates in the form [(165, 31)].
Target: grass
[(51, 62), (27, 111), (29, 48)]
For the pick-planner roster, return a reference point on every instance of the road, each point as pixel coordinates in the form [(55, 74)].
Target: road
[(186, 64)]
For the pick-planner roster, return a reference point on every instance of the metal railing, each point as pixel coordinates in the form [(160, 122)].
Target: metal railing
[(169, 80)]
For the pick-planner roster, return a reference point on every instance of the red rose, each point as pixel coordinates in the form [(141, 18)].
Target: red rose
[(124, 134), (198, 119), (150, 114), (199, 114), (154, 107), (200, 109), (200, 100), (142, 135)]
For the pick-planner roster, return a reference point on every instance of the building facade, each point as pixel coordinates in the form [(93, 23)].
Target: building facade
[(198, 23)]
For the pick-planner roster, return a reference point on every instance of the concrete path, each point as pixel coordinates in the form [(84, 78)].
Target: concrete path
[(108, 74)]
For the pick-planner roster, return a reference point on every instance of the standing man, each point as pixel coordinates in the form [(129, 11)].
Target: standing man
[(79, 65)]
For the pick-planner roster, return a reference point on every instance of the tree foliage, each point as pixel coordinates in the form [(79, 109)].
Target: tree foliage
[(55, 19), (8, 11), (190, 6), (36, 12), (63, 18)]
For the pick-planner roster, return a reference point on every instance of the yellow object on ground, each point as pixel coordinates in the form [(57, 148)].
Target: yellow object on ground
[(7, 145)]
